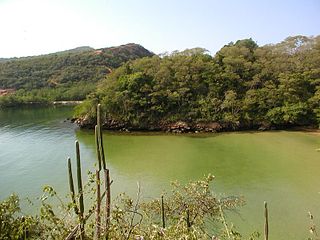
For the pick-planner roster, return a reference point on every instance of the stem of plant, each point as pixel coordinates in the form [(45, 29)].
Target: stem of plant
[(80, 191)]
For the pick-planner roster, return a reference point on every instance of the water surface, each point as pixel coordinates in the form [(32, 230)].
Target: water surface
[(279, 167)]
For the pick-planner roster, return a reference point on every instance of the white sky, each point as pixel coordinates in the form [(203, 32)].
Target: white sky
[(34, 27)]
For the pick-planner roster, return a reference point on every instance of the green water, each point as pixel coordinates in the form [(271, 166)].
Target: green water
[(279, 167)]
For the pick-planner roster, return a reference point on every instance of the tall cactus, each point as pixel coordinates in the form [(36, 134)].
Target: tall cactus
[(266, 223), (162, 213), (98, 202), (79, 209), (71, 186), (108, 200), (102, 161), (100, 137), (80, 191), (96, 130)]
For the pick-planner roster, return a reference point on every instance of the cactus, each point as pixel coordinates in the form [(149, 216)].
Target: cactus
[(80, 191), (96, 130), (101, 158), (102, 163), (108, 199), (162, 213), (100, 137), (98, 219), (266, 223), (71, 186)]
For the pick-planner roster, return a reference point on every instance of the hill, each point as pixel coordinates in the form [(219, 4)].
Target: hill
[(244, 86), (61, 76), (82, 64)]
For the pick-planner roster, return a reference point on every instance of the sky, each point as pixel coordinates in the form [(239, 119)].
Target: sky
[(34, 27)]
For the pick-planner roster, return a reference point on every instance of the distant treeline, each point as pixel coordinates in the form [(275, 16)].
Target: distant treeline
[(68, 75), (242, 86)]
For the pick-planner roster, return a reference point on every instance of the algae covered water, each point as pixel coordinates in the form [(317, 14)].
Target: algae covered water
[(280, 167)]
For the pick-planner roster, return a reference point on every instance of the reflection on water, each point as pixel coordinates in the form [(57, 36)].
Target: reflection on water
[(279, 167), (34, 144)]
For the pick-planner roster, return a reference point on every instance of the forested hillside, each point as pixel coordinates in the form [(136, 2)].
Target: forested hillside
[(67, 75), (241, 86)]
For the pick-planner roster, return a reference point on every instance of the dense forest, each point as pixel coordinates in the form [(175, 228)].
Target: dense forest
[(67, 75), (243, 86)]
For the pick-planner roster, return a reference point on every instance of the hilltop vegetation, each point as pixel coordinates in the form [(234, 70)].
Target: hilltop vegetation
[(242, 86), (67, 75)]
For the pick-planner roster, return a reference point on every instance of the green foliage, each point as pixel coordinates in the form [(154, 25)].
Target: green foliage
[(12, 224), (69, 75), (192, 211), (242, 86), (88, 107), (289, 114), (57, 69)]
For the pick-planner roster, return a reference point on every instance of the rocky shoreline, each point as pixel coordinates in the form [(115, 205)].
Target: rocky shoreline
[(185, 127), (174, 127), (66, 103)]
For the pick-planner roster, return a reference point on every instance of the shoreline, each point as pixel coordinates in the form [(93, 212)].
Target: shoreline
[(66, 103), (142, 133), (314, 131), (52, 103), (195, 131), (181, 127)]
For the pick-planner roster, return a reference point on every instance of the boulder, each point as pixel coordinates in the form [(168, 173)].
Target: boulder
[(179, 127), (208, 127)]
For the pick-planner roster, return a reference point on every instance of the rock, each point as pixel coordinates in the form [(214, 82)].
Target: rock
[(85, 122), (264, 127), (209, 127), (179, 127), (73, 120)]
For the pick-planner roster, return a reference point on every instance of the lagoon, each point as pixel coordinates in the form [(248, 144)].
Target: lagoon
[(280, 167)]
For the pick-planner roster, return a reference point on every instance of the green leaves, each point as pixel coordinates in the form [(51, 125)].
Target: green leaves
[(289, 114), (12, 224), (242, 86)]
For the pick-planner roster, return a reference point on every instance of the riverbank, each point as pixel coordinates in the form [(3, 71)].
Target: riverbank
[(184, 127), (66, 103), (39, 103), (311, 130)]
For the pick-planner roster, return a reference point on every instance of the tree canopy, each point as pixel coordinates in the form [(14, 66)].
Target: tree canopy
[(67, 75), (242, 86)]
